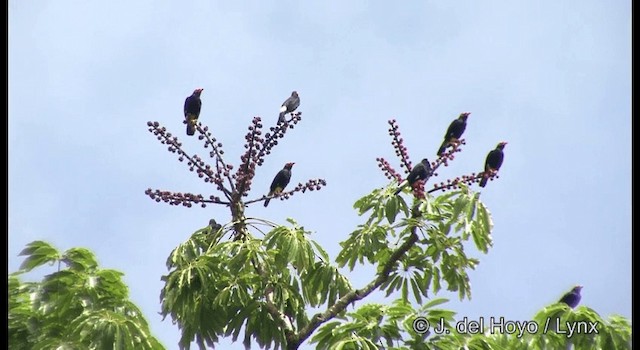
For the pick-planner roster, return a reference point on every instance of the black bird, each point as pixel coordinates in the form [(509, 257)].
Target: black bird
[(572, 298), (493, 163), (192, 106), (289, 105), (215, 226), (280, 181), (422, 171), (454, 132)]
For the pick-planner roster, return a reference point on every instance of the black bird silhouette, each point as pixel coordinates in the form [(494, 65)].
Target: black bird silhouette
[(192, 106), (572, 298), (280, 181), (215, 226), (454, 132), (421, 171), (493, 163)]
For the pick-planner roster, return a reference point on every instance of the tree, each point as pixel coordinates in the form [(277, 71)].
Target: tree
[(79, 306), (260, 277)]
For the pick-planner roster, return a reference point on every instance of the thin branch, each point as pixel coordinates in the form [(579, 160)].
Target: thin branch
[(271, 138), (358, 294), (397, 143), (246, 170), (465, 179), (176, 147), (449, 155), (310, 185), (216, 154), (185, 199), (277, 315)]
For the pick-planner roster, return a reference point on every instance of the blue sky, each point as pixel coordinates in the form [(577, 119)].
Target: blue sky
[(551, 78)]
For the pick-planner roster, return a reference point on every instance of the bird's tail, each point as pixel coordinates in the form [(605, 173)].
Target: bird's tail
[(443, 147), (191, 125), (266, 202), (281, 118), (485, 178), (400, 187)]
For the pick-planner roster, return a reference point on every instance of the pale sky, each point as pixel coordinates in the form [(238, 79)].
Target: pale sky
[(551, 78)]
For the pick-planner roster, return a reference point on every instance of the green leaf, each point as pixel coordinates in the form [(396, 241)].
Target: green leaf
[(391, 209), (435, 302), (80, 259), (38, 253)]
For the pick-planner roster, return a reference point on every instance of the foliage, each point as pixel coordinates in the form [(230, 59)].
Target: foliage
[(80, 306), (257, 280), (556, 326)]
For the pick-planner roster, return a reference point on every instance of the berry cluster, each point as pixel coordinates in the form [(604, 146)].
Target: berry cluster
[(234, 186), (418, 187)]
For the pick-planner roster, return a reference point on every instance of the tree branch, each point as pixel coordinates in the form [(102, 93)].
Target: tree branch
[(310, 185), (185, 199), (216, 154), (318, 319)]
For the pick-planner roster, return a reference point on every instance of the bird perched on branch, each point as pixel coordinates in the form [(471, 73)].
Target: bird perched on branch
[(289, 105), (280, 181), (493, 163), (572, 298), (214, 225), (454, 132), (422, 171), (192, 106)]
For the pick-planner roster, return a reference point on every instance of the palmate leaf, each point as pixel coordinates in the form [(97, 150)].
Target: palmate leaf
[(38, 253), (56, 343), (80, 259), (185, 252), (110, 286), (391, 209), (365, 242), (80, 297), (105, 329), (363, 330), (323, 283), (291, 246), (367, 202)]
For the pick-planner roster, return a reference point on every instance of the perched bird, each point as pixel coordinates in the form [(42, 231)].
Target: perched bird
[(280, 181), (422, 171), (493, 163), (454, 132), (215, 226), (572, 298), (192, 106), (289, 105)]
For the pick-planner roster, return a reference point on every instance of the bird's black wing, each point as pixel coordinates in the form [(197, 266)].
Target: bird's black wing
[(417, 173), (281, 180), (455, 129), (451, 130), (192, 105), (459, 127), (494, 159)]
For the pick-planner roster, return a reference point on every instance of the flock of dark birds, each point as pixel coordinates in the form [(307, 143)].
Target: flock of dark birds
[(421, 171), (192, 107)]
